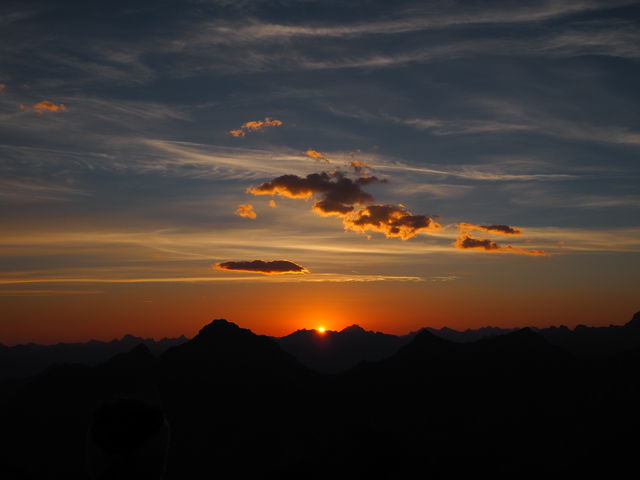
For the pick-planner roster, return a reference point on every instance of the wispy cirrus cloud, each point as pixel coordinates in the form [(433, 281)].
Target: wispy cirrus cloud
[(408, 20), (25, 191), (308, 277)]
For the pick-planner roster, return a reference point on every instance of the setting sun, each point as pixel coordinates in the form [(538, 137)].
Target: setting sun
[(321, 330)]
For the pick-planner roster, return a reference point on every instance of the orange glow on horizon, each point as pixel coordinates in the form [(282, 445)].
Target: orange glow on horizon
[(321, 330)]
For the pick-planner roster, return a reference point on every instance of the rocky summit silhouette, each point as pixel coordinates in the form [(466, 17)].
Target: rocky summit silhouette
[(237, 405), (224, 351)]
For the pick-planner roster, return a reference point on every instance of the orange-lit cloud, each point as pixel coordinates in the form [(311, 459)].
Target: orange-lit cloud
[(317, 156), (246, 210), (502, 229), (465, 242), (392, 220), (45, 106), (274, 267), (339, 193), (360, 168), (273, 204), (254, 126), (3, 87)]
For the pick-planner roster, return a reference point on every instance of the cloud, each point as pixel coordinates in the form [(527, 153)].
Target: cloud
[(502, 229), (359, 167), (45, 106), (339, 193), (274, 267), (317, 156), (403, 21), (273, 204), (246, 210), (466, 242), (392, 220), (254, 126), (26, 191)]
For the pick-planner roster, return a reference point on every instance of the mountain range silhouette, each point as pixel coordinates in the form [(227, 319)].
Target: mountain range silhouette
[(240, 406), (332, 352)]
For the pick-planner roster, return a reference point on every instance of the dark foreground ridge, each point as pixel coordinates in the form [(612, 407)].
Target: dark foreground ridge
[(232, 404)]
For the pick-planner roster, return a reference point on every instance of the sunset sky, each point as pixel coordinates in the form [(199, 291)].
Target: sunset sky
[(404, 164)]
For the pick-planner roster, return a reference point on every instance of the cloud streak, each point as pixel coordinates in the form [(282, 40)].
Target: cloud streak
[(466, 242), (273, 267), (502, 229)]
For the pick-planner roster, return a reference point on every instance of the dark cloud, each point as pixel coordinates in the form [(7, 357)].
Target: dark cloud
[(273, 267), (392, 220), (339, 193), (502, 229), (465, 242)]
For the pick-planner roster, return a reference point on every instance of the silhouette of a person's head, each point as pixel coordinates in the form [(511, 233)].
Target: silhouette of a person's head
[(127, 439)]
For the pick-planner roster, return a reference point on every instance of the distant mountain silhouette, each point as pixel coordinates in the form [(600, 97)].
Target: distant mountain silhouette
[(468, 335), (334, 352), (30, 359), (331, 352)]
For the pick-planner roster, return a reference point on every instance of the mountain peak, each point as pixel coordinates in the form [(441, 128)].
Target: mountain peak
[(219, 326), (353, 329)]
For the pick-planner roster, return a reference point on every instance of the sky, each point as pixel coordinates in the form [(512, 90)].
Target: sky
[(292, 164)]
